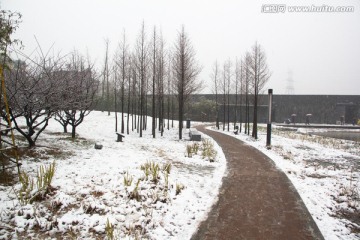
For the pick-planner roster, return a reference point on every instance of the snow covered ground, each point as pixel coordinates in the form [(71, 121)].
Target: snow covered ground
[(89, 190), (325, 172)]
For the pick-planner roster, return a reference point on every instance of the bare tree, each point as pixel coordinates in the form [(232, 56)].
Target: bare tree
[(129, 100), (247, 80), (161, 67), (105, 83), (237, 81), (169, 92), (226, 81), (154, 61), (121, 60), (186, 71), (223, 86), (141, 53), (261, 75), (241, 73), (9, 23), (228, 76), (34, 93), (115, 77), (215, 78), (79, 87), (135, 94)]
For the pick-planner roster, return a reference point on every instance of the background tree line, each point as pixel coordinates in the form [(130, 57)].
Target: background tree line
[(150, 79), (245, 78), (67, 87)]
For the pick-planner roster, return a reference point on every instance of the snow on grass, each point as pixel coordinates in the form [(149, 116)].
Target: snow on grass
[(89, 187), (325, 172)]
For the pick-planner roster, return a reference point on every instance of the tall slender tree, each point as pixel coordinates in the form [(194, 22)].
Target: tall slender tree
[(215, 78), (141, 51), (169, 91), (161, 67), (260, 75), (121, 60), (241, 91), (224, 95), (237, 81), (228, 87), (186, 70), (129, 76), (154, 60), (106, 77), (247, 80)]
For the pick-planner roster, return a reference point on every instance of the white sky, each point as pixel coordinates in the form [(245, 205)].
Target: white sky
[(322, 50)]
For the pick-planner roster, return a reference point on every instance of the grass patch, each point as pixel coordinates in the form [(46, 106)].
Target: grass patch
[(35, 189), (205, 149)]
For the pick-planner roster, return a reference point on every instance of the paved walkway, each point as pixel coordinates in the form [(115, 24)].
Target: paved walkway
[(256, 200)]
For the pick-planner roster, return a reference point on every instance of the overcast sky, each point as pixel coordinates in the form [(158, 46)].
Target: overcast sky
[(319, 51)]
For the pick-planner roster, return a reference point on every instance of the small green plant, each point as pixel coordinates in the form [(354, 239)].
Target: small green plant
[(166, 176), (109, 230), (192, 149), (146, 168), (155, 169), (179, 188), (135, 193), (208, 150), (189, 151), (28, 193), (195, 148), (128, 179), (45, 176), (27, 186), (154, 195), (167, 168), (72, 233), (351, 191)]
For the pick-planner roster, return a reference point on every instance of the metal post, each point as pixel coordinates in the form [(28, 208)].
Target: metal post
[(268, 134)]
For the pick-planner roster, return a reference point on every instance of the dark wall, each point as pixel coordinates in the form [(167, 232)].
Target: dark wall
[(324, 108)]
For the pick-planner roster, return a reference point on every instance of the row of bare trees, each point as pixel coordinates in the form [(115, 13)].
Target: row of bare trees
[(43, 87), (66, 87), (40, 86), (147, 78), (246, 81)]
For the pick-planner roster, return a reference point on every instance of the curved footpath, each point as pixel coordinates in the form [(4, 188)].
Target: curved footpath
[(256, 199)]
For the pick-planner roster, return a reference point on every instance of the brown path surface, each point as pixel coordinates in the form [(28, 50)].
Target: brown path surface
[(256, 200)]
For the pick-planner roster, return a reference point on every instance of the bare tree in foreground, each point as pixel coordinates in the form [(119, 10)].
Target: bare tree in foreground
[(247, 81), (122, 63), (79, 87), (33, 93), (161, 75), (141, 64), (186, 71), (260, 75), (154, 66)]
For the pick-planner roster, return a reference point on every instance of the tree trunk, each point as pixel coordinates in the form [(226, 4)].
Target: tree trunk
[(181, 105), (116, 117), (73, 132), (30, 141), (122, 108), (254, 131)]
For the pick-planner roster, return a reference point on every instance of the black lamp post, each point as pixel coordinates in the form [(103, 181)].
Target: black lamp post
[(268, 134)]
